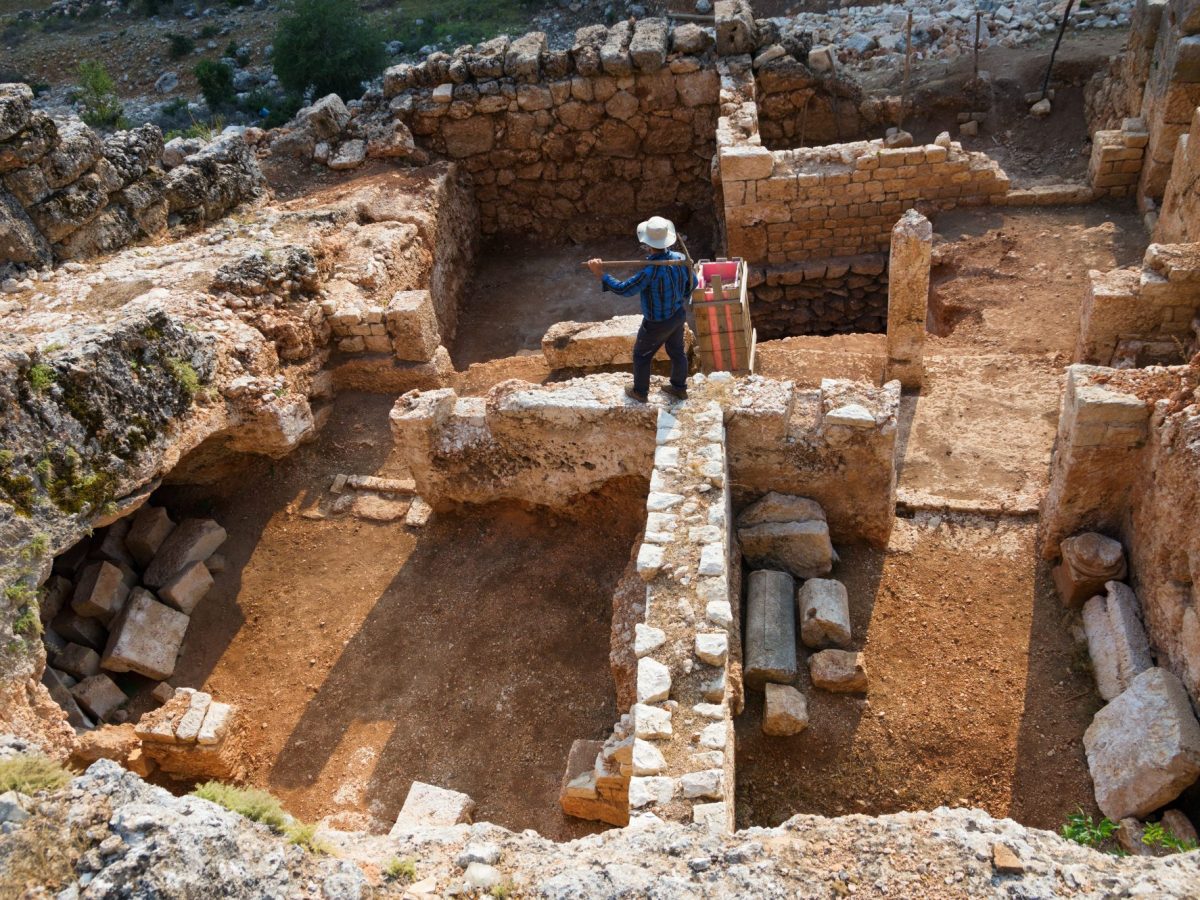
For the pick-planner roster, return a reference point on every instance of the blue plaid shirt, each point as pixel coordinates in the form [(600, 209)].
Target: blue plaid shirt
[(663, 288)]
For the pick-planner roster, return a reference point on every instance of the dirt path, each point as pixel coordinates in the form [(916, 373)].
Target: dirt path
[(469, 654), (977, 695)]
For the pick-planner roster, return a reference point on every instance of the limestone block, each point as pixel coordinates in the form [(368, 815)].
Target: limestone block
[(1089, 561), (187, 588), (77, 660), (802, 548), (79, 629), (61, 694), (840, 671), (708, 784), (99, 696), (653, 681), (112, 544), (908, 298), (651, 722), (786, 711), (644, 791), (468, 137), (614, 53), (713, 648), (647, 759), (188, 727), (101, 592), (649, 561), (1143, 748), (162, 692), (647, 639), (648, 47), (713, 816), (746, 163), (1102, 648), (582, 345), (412, 325), (770, 629), (149, 529), (146, 637), (195, 540), (714, 736), (824, 613), (777, 507), (735, 26), (524, 55), (1129, 635), (428, 805)]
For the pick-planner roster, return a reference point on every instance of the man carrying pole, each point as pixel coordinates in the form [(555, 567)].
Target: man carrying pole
[(665, 283)]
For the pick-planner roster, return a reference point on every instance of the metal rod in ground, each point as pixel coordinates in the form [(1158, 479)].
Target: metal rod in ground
[(1062, 26), (978, 20), (907, 71), (691, 17)]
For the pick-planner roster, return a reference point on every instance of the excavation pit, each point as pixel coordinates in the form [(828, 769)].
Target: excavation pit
[(364, 655)]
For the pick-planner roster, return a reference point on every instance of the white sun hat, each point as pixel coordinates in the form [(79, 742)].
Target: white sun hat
[(657, 232)]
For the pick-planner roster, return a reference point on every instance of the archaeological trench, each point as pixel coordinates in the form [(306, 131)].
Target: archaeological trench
[(318, 476)]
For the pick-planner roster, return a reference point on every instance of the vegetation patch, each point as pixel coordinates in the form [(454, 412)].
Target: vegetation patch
[(327, 46), (185, 375), (255, 805), (40, 377), (97, 93), (216, 83), (417, 23), (402, 871), (30, 773)]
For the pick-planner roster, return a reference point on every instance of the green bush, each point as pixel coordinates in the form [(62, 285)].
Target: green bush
[(255, 805), (180, 45), (32, 773), (1155, 835), (209, 31), (328, 46), (216, 83), (97, 93), (305, 836)]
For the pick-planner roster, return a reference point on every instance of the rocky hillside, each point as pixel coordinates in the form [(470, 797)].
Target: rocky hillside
[(113, 835)]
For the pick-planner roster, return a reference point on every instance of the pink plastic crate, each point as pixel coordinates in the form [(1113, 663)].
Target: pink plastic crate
[(726, 269)]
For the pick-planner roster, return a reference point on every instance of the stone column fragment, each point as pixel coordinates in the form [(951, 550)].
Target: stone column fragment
[(770, 629), (908, 298)]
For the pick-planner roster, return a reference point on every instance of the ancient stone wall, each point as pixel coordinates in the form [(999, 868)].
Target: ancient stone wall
[(1126, 464), (67, 193), (798, 106), (1172, 91), (1117, 158), (1179, 217), (546, 444), (827, 296), (1116, 93), (581, 141), (1145, 315)]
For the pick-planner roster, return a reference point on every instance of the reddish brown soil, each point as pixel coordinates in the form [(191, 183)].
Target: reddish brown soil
[(977, 697), (467, 654)]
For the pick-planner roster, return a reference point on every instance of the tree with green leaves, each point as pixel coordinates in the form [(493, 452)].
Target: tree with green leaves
[(327, 46)]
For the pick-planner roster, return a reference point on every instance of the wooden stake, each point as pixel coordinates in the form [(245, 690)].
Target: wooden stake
[(1062, 26), (978, 20)]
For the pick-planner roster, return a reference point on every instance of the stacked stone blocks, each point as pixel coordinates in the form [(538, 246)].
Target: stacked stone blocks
[(1116, 161)]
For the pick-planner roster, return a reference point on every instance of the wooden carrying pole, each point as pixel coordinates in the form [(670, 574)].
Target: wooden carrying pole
[(608, 263)]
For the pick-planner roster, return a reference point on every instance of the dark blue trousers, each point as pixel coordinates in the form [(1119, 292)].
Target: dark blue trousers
[(650, 337)]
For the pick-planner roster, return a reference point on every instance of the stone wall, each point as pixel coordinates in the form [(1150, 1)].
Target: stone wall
[(1144, 315), (546, 444), (1179, 219), (67, 193), (828, 296), (581, 142), (1126, 463), (798, 106), (1116, 161), (1116, 93), (1172, 91)]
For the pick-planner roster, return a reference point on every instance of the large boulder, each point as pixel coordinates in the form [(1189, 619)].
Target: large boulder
[(33, 143), (1143, 748), (16, 103), (20, 241), (214, 180), (133, 152), (77, 150), (325, 118)]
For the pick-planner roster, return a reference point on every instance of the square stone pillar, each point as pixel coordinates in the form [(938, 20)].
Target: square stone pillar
[(908, 299)]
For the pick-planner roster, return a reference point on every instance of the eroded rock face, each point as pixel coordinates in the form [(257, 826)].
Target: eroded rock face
[(166, 842)]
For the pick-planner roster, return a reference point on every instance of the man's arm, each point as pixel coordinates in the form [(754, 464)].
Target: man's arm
[(626, 288)]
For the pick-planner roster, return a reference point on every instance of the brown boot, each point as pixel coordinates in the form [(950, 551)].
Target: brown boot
[(634, 395), (677, 393)]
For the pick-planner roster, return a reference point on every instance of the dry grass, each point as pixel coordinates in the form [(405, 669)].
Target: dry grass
[(41, 853), (32, 773)]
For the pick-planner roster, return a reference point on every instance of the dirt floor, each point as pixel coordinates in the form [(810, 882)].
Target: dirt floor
[(1006, 290), (468, 654), (979, 694)]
